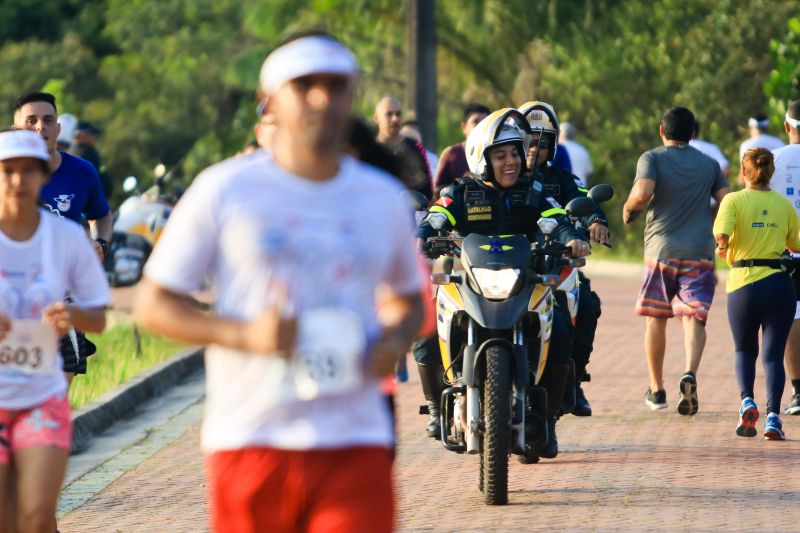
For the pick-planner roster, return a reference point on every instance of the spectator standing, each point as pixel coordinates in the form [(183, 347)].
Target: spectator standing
[(453, 161), (786, 181), (85, 146), (758, 127), (579, 157), (674, 183), (318, 234), (389, 119), (710, 149), (753, 228)]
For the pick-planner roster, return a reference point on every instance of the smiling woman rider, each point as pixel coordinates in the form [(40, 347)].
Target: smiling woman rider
[(42, 257)]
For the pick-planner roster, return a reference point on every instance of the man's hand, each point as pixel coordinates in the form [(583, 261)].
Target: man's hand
[(98, 250), (5, 326), (580, 248), (599, 233), (58, 316), (275, 330)]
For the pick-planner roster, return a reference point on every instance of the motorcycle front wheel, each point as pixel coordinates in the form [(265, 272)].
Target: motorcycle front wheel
[(497, 430)]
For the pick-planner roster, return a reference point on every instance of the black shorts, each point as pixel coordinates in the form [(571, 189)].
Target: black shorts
[(75, 356)]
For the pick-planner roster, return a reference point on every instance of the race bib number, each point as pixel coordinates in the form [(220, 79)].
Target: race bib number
[(31, 347), (330, 347)]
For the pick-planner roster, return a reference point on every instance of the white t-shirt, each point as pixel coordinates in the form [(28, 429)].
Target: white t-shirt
[(712, 151), (57, 260), (760, 141), (786, 179), (580, 159), (246, 221), (433, 162)]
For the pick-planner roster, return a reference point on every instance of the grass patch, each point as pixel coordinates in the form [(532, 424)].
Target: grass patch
[(116, 361)]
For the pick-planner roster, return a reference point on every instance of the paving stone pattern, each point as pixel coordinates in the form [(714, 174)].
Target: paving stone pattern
[(624, 469)]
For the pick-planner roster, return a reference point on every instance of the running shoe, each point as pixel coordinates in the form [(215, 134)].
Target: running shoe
[(748, 414), (794, 406), (773, 429), (656, 400), (688, 386)]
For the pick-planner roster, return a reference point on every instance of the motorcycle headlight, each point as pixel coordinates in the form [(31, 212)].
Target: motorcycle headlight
[(496, 284)]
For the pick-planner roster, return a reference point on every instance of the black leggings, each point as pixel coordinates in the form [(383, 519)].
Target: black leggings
[(768, 304)]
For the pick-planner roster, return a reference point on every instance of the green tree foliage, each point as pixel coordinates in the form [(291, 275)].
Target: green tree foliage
[(176, 81), (783, 84)]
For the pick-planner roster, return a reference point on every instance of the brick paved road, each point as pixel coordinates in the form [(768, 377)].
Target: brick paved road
[(625, 468)]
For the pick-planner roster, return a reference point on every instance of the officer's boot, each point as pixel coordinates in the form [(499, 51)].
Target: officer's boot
[(432, 387), (555, 381), (582, 405)]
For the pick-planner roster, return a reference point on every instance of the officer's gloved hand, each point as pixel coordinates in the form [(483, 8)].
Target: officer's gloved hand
[(580, 248)]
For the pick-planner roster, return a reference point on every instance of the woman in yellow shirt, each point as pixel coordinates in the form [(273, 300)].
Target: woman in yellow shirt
[(753, 228)]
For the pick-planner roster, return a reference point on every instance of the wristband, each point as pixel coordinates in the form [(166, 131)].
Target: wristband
[(103, 244)]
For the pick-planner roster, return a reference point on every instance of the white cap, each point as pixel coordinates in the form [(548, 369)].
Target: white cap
[(315, 54), (754, 122), (793, 122), (22, 143), (68, 123)]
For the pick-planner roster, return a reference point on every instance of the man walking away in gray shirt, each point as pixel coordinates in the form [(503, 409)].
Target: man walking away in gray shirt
[(674, 183)]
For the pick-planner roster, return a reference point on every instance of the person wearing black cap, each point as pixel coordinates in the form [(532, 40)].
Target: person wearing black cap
[(83, 146)]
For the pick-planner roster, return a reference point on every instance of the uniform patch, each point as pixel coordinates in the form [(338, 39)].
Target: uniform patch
[(553, 189), (444, 201), (475, 196), (552, 201)]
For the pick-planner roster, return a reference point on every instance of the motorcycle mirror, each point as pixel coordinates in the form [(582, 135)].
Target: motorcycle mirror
[(437, 220), (130, 184), (601, 193), (580, 207), (547, 225)]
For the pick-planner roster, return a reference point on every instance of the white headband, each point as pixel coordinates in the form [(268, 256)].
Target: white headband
[(315, 54), (793, 122), (753, 123)]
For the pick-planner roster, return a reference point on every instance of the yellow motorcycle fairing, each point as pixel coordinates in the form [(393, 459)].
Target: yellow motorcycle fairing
[(541, 303), (448, 303)]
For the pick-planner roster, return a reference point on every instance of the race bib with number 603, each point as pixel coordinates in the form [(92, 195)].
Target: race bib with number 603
[(31, 347)]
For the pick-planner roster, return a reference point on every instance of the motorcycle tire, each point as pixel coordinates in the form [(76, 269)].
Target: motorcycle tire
[(497, 426)]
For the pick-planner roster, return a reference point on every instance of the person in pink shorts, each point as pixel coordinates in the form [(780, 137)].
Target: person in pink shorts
[(42, 258)]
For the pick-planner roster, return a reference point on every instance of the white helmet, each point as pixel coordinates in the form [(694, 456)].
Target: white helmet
[(504, 126), (542, 118)]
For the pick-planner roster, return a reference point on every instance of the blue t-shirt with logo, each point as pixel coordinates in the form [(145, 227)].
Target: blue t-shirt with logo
[(74, 190)]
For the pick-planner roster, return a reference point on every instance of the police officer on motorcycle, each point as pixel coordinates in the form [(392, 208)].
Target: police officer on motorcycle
[(564, 186), (495, 200)]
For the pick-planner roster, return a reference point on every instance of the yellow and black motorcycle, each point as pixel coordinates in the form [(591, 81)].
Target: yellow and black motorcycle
[(494, 320)]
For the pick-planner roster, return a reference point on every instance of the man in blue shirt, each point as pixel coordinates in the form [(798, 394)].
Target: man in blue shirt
[(73, 191)]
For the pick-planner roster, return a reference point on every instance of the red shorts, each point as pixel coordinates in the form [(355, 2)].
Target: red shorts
[(264, 489), (46, 424)]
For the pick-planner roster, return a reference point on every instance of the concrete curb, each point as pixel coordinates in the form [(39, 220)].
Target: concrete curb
[(120, 402)]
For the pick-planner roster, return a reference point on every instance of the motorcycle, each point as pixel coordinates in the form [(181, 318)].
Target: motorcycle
[(494, 320), (138, 224)]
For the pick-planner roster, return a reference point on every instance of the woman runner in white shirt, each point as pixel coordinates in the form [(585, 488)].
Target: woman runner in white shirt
[(42, 257)]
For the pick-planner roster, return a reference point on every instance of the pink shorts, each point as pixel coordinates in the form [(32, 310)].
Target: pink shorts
[(46, 424), (677, 287)]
